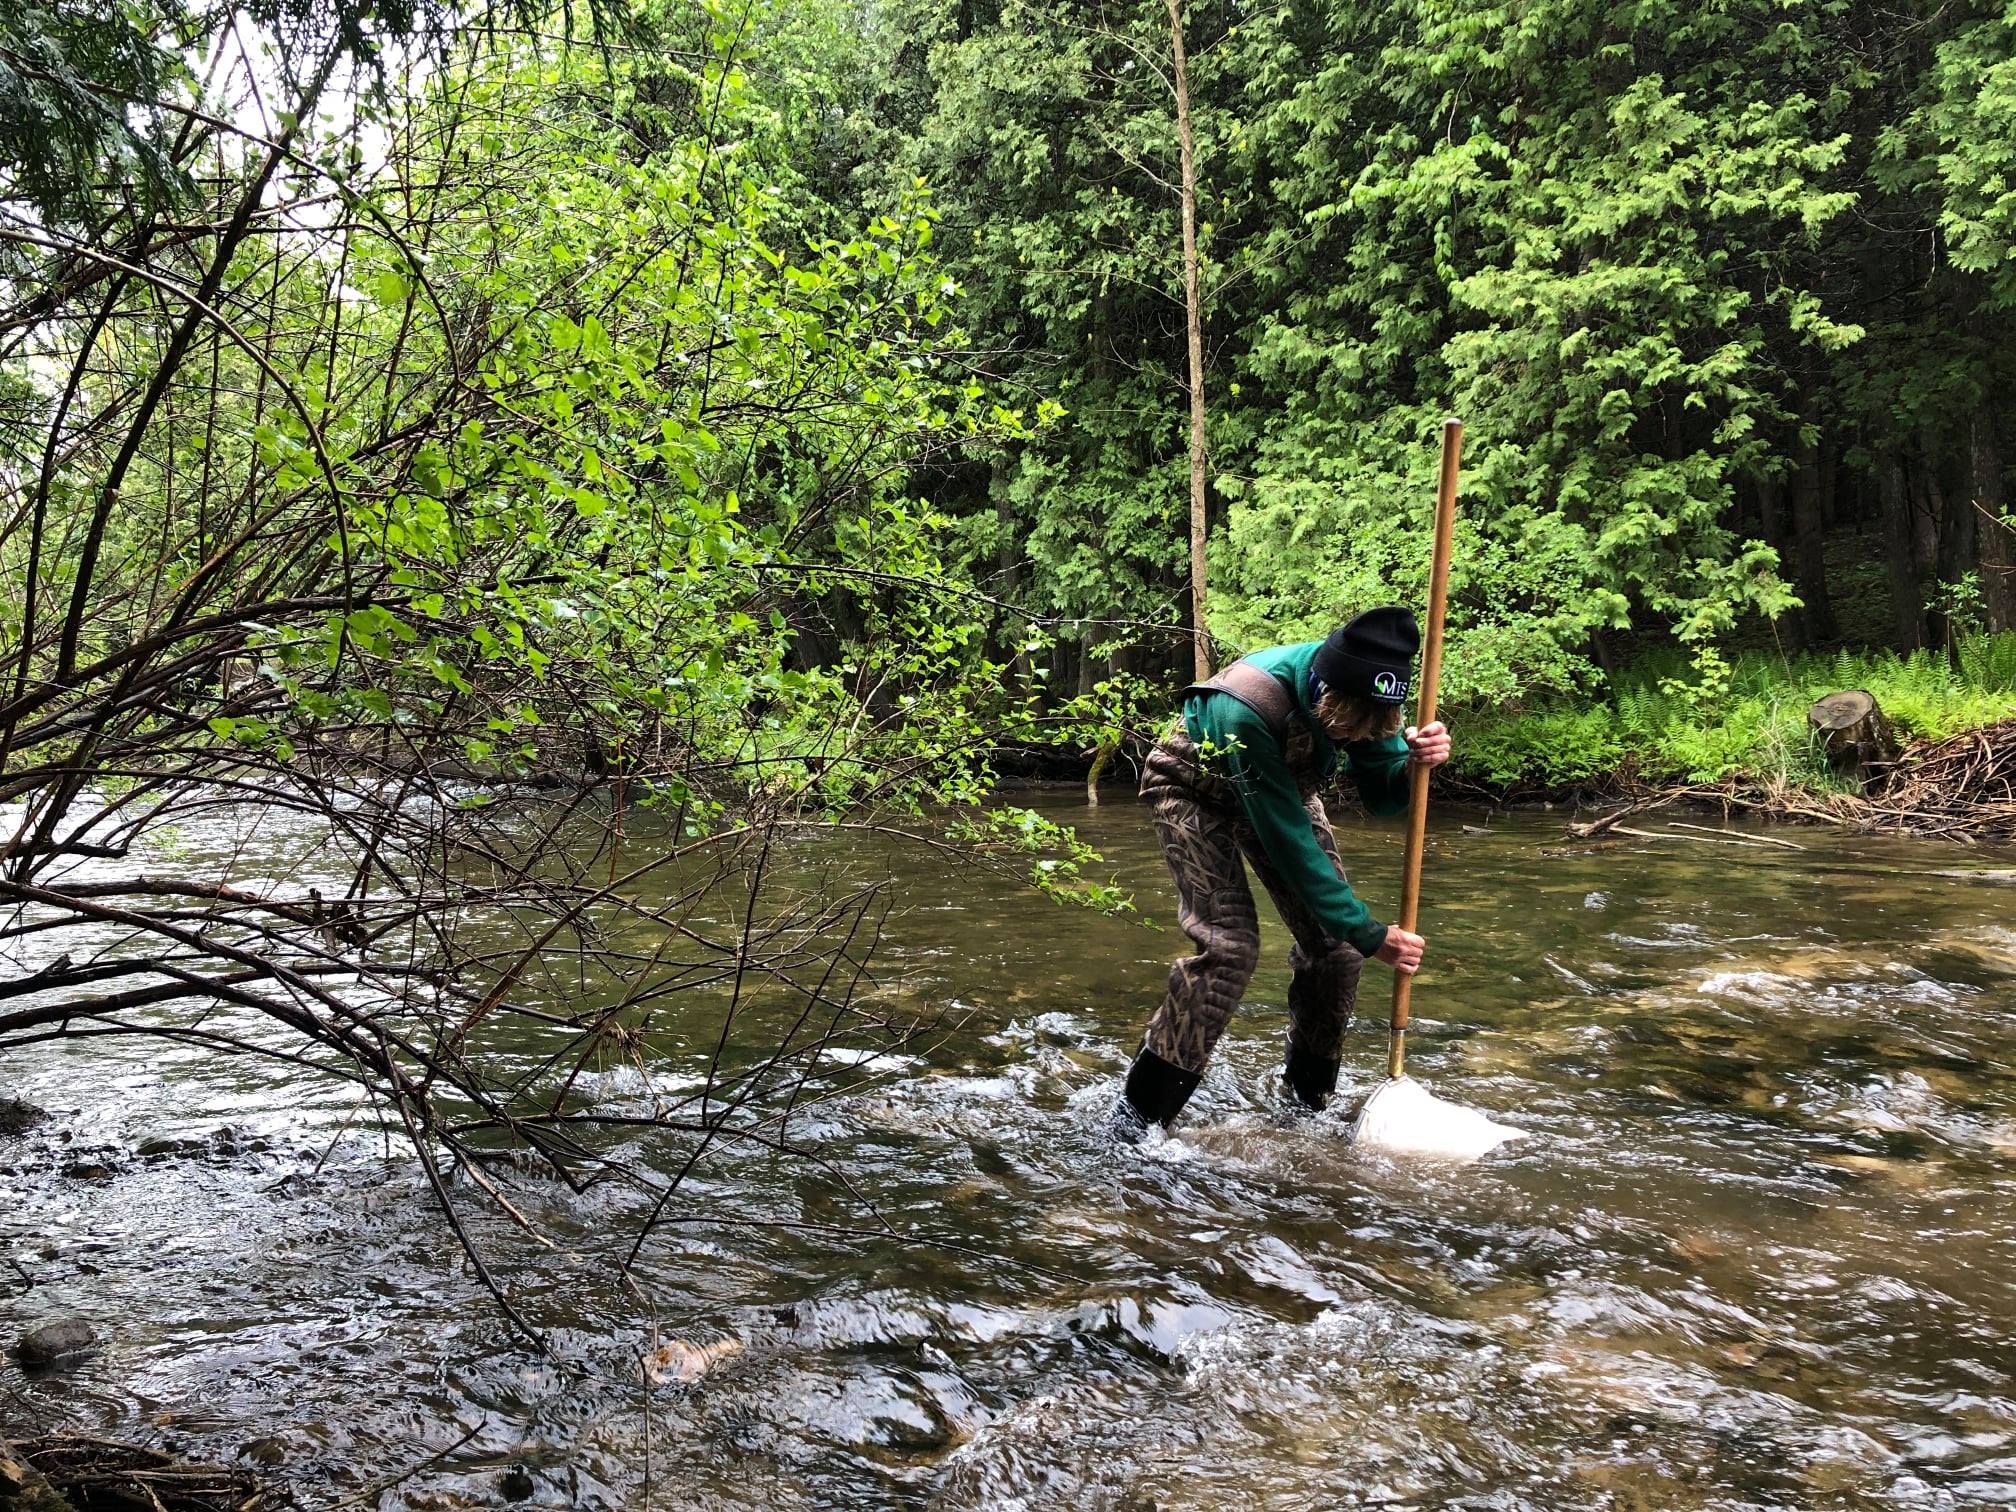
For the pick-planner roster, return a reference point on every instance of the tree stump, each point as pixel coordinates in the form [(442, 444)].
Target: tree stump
[(1856, 735), (1101, 759)]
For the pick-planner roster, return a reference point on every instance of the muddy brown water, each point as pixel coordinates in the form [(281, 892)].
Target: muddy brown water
[(1760, 1252)]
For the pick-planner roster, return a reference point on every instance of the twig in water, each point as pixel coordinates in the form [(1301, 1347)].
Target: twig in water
[(1638, 834), (1744, 835), (378, 1488)]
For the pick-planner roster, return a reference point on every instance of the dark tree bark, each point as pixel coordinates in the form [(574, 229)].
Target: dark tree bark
[(1857, 508), (1831, 513), (1926, 507), (1809, 546), (1998, 540), (1599, 650), (1907, 600), (1007, 569), (1063, 666), (1952, 511), (1771, 512), (1194, 323), (1776, 529)]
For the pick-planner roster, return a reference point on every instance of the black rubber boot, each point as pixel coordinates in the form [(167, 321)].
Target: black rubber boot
[(1309, 1078), (1155, 1094)]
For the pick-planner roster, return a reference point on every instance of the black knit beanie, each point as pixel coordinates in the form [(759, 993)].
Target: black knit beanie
[(1372, 656)]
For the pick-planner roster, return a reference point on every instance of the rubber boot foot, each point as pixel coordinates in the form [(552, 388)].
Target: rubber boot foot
[(1309, 1078), (1155, 1093)]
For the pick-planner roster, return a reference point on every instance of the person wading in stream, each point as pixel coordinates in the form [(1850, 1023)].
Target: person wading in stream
[(1237, 782)]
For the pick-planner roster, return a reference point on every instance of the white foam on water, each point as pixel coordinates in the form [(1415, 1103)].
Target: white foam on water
[(866, 1060), (1053, 1026), (1402, 1117), (626, 1080), (1852, 991)]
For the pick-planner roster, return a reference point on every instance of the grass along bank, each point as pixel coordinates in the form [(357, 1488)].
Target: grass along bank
[(1664, 721)]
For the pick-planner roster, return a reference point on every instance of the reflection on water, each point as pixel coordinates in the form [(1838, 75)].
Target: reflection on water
[(1760, 1253)]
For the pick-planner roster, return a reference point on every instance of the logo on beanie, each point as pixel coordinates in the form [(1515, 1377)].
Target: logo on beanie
[(1389, 685)]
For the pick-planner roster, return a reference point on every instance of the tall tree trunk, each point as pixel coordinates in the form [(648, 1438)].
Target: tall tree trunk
[(1007, 568), (1998, 540), (1771, 512), (1860, 505), (1777, 533), (1952, 512), (1830, 486), (1605, 658), (1194, 320), (1809, 545), (1926, 507), (1907, 604)]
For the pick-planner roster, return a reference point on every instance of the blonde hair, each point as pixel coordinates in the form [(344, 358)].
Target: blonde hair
[(1345, 717)]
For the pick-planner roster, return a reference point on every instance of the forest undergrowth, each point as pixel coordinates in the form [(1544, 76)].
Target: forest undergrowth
[(1663, 722)]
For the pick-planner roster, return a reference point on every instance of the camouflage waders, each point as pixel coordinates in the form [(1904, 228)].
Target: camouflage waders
[(1207, 842)]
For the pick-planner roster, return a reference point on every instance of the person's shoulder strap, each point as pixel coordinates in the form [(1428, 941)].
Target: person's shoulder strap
[(1258, 689)]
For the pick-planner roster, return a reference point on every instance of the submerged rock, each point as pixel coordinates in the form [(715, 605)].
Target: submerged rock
[(680, 1363), (55, 1343), (162, 1147), (516, 1484)]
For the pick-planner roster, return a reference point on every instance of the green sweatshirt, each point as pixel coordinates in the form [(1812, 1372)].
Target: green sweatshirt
[(1240, 747)]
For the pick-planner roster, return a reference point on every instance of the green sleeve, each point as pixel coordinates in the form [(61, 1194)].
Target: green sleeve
[(1244, 749), (1379, 772)]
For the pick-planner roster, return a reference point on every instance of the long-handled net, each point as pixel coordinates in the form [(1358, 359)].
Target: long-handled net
[(1402, 1116)]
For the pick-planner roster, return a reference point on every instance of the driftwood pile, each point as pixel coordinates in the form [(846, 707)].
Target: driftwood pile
[(1960, 789)]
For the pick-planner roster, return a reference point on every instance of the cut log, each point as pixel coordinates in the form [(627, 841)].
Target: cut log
[(1857, 737)]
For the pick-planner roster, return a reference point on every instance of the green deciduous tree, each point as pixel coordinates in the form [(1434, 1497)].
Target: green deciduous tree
[(1696, 278), (498, 485)]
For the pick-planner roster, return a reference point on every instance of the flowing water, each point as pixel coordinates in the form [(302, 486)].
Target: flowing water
[(1760, 1252)]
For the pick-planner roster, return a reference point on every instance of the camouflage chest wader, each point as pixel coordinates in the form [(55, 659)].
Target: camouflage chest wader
[(1208, 843)]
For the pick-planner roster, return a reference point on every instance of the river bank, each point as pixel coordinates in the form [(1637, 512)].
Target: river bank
[(1661, 724), (1738, 742)]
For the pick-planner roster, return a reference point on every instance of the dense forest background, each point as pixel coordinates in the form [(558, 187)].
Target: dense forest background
[(685, 361), (1722, 291)]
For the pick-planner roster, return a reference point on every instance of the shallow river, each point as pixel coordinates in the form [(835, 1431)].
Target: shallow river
[(1760, 1252)]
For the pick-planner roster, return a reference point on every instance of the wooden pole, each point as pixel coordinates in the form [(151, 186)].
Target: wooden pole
[(1194, 320), (1424, 713)]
